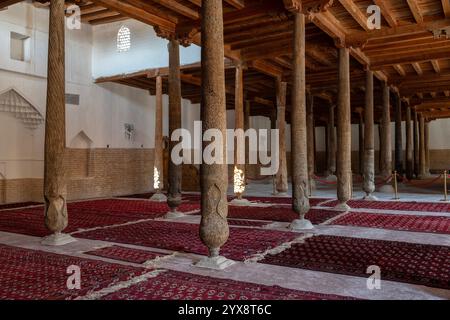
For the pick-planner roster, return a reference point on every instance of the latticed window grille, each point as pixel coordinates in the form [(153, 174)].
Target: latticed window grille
[(123, 39)]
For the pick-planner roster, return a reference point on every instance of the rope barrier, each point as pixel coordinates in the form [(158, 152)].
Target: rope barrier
[(423, 183)]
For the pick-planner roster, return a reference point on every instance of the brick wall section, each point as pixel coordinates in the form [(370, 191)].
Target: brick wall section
[(112, 172)]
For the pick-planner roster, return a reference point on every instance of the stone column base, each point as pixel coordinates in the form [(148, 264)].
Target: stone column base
[(344, 207), (174, 215), (370, 197), (301, 224), (240, 202), (331, 177), (159, 197), (57, 239), (215, 263)]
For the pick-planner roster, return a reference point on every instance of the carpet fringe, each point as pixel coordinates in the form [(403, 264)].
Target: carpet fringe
[(260, 256), (151, 263), (95, 295)]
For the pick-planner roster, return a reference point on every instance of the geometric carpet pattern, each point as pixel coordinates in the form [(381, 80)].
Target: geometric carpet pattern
[(184, 237), (393, 205), (396, 222), (126, 254), (86, 215), (278, 213), (35, 275), (174, 285), (427, 265)]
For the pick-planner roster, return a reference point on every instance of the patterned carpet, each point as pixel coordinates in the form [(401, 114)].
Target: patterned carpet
[(396, 222), (126, 254), (19, 205), (281, 214), (35, 275), (85, 215), (392, 205), (242, 243), (399, 261), (173, 285)]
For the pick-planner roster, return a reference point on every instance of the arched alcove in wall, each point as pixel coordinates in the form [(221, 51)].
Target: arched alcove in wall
[(13, 102), (81, 147)]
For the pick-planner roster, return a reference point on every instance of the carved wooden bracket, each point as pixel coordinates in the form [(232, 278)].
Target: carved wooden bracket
[(183, 35), (441, 33), (308, 6)]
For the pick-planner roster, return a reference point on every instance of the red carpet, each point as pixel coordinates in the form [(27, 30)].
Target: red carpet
[(399, 261), (392, 205), (83, 215), (282, 214), (242, 243), (35, 275), (126, 254), (18, 205), (396, 222), (284, 200), (174, 285), (247, 223)]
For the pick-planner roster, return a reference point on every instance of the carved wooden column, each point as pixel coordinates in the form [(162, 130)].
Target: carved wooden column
[(300, 201), (282, 178), (422, 155), (409, 145), (416, 145), (369, 140), (344, 133), (386, 144), (331, 151), (175, 170), (55, 185), (239, 150), (214, 230), (247, 146), (427, 148), (398, 134), (158, 169), (311, 145), (361, 141)]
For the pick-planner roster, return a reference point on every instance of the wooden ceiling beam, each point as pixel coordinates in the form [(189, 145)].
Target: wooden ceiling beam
[(179, 8), (446, 8), (399, 69), (356, 13), (417, 68), (436, 66), (131, 11), (238, 4), (415, 10), (387, 12)]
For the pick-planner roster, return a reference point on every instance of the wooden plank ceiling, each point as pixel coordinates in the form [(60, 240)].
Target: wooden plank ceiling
[(405, 52)]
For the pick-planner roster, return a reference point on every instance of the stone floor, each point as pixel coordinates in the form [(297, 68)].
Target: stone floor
[(291, 278)]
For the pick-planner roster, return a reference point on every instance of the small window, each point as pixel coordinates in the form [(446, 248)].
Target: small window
[(20, 47), (123, 39)]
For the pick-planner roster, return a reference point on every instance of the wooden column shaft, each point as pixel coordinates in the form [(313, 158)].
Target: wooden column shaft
[(344, 130), (159, 150), (416, 145), (55, 187), (386, 144), (298, 121), (331, 138), (369, 137), (398, 134), (282, 178), (310, 128), (175, 170), (409, 145), (422, 152), (214, 230)]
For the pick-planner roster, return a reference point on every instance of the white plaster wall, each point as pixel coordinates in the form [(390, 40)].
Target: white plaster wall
[(147, 50)]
